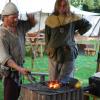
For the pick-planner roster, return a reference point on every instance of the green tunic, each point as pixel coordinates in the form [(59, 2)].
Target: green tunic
[(60, 31)]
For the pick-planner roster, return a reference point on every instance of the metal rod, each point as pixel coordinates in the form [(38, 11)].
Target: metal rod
[(98, 61), (95, 27), (40, 20)]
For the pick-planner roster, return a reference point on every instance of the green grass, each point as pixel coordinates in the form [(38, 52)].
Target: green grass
[(1, 90), (85, 67)]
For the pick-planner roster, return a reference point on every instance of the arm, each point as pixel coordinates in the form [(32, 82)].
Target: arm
[(31, 19), (47, 34), (26, 25), (10, 63), (82, 26), (6, 60)]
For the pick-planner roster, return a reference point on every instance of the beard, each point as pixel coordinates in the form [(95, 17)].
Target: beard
[(14, 24)]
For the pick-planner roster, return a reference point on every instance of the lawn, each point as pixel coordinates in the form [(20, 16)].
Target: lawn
[(85, 67), (1, 90)]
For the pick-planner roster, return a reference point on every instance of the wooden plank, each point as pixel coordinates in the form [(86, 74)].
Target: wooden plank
[(81, 96), (43, 97), (64, 96), (54, 97), (48, 97), (68, 96), (34, 96), (58, 97), (39, 96), (73, 95), (77, 95)]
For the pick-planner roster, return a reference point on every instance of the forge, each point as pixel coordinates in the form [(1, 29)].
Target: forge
[(41, 91)]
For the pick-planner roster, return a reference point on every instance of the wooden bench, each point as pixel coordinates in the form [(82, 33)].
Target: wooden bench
[(87, 96), (87, 49), (90, 51)]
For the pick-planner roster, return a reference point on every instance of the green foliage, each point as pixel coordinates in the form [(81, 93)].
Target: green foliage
[(88, 5)]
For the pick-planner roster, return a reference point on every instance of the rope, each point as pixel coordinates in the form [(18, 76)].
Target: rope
[(95, 26)]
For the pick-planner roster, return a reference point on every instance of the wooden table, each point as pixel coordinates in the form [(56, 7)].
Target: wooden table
[(87, 96), (36, 40), (90, 51), (37, 43)]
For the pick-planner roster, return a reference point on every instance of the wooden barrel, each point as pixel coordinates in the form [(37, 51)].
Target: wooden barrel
[(30, 93)]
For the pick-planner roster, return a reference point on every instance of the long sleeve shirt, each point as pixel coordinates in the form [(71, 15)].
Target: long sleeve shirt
[(60, 31), (12, 44)]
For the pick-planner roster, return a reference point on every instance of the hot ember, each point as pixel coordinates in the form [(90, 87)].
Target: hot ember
[(54, 84)]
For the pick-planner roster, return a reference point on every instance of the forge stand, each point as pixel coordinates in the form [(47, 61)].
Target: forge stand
[(42, 92)]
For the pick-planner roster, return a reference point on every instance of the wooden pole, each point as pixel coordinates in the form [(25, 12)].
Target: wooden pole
[(40, 21), (98, 61), (95, 26)]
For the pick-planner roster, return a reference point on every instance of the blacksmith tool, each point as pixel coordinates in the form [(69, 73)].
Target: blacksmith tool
[(31, 78)]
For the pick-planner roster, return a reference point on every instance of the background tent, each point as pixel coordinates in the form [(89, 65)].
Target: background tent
[(95, 21), (31, 6), (42, 9)]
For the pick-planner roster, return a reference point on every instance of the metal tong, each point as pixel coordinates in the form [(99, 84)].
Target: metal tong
[(31, 78)]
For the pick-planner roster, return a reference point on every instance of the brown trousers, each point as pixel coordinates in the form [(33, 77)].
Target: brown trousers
[(58, 71), (11, 89)]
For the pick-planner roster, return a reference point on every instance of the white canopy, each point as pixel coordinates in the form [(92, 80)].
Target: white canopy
[(47, 6), (31, 6), (95, 21)]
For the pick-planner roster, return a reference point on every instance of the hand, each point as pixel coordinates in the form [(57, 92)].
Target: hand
[(31, 18), (24, 71)]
